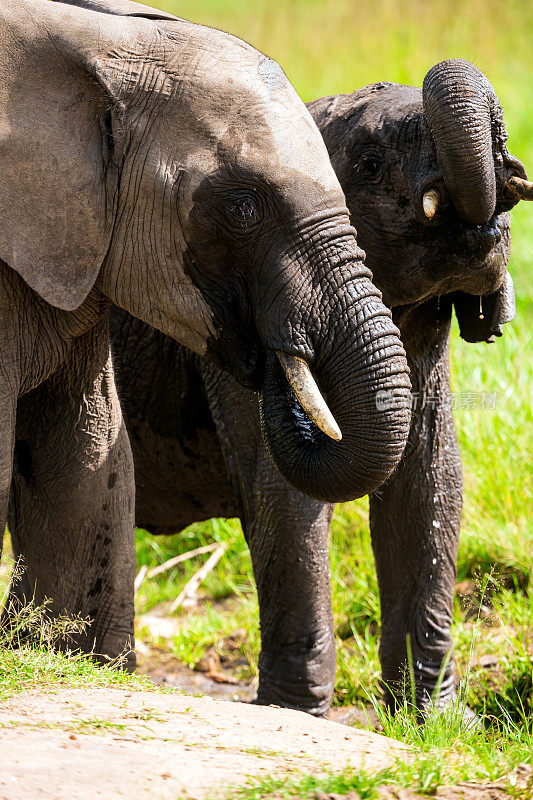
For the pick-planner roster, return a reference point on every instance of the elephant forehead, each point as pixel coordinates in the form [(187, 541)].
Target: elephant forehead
[(241, 103), (392, 114), (207, 91), (274, 136), (270, 142)]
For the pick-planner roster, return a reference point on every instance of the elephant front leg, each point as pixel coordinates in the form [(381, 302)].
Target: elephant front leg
[(287, 534), (288, 539), (71, 511), (415, 519)]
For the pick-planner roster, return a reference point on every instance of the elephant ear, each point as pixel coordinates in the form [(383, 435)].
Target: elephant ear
[(496, 308), (61, 83), (59, 179), (121, 8)]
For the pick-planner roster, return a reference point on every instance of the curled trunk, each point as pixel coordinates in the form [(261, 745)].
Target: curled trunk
[(466, 121), (360, 368)]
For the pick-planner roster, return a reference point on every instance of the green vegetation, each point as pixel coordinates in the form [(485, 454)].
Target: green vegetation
[(448, 749), (27, 657)]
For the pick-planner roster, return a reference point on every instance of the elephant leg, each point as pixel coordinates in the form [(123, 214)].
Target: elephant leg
[(71, 509), (288, 538), (415, 520), (287, 534)]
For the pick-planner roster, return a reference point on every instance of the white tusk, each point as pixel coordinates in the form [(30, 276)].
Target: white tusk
[(304, 387), (430, 203)]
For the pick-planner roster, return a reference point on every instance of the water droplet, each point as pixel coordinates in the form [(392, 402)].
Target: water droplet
[(434, 560), (436, 523)]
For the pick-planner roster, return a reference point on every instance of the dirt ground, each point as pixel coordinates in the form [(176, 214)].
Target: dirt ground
[(109, 743)]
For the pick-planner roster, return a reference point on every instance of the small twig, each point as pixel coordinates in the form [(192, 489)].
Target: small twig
[(198, 551), (140, 578), (190, 588)]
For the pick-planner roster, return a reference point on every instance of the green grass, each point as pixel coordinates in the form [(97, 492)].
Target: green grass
[(424, 774), (448, 749), (28, 659)]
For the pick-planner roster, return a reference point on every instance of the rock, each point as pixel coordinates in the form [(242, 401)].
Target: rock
[(151, 745)]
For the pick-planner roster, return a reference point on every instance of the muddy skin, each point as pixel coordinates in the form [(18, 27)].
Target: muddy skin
[(172, 170), (200, 454)]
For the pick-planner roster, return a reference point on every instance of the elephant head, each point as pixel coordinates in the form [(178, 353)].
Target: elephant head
[(174, 168), (429, 181)]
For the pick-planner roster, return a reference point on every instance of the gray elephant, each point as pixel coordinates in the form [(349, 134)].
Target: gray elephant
[(429, 184), (170, 169)]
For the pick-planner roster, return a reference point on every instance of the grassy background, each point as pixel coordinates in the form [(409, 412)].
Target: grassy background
[(330, 46)]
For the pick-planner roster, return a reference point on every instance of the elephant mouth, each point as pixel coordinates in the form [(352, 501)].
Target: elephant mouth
[(291, 380), (473, 244), (475, 258), (459, 246), (295, 380), (460, 257), (334, 455)]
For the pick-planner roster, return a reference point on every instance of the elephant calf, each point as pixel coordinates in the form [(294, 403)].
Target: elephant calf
[(427, 177)]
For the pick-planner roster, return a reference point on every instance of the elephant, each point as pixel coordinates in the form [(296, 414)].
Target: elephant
[(172, 170), (434, 241)]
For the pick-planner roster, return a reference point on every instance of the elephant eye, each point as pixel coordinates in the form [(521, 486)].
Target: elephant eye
[(244, 212), (369, 164)]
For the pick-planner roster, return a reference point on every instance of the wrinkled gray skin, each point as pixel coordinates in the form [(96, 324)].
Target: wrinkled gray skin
[(170, 169), (195, 432)]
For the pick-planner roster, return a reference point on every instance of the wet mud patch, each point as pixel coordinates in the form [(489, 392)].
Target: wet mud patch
[(165, 669)]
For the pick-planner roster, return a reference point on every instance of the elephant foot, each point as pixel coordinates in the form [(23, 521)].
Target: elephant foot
[(431, 691), (301, 677), (313, 699)]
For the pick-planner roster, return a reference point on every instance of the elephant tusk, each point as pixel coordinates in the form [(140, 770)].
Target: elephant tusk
[(308, 394), (430, 203), (519, 188)]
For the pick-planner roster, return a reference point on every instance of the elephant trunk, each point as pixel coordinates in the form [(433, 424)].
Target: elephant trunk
[(465, 118), (360, 371)]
